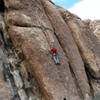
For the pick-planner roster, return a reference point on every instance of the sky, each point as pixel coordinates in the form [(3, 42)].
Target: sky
[(66, 3), (85, 9)]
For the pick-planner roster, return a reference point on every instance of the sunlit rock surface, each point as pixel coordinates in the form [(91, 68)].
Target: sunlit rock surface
[(28, 31)]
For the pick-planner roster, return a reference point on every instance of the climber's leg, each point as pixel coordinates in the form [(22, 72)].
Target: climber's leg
[(55, 57)]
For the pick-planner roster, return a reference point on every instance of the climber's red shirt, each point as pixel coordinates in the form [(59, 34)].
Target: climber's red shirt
[(54, 50)]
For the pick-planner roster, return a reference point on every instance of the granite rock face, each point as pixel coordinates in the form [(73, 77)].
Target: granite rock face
[(95, 26), (69, 46), (87, 42), (28, 31)]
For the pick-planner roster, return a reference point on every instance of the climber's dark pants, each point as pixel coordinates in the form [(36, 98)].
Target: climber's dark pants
[(55, 57)]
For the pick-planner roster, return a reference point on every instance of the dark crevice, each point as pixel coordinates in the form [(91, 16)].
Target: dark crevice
[(64, 99), (90, 71), (75, 81), (2, 39), (2, 6), (32, 26), (89, 78)]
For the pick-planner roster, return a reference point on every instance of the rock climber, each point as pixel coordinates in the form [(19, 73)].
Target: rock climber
[(55, 55)]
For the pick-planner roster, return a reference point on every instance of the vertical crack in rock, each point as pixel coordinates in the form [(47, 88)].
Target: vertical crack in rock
[(28, 31), (55, 82), (69, 46), (9, 67), (88, 45), (2, 7), (5, 86), (86, 41)]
